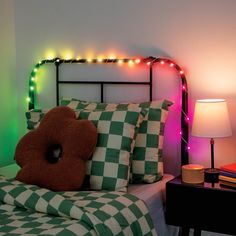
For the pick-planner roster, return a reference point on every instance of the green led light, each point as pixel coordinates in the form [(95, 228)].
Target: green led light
[(31, 88), (28, 99), (35, 69), (32, 79)]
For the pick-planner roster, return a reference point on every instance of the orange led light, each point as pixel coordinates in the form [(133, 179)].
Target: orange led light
[(131, 62), (112, 57), (120, 62), (137, 61)]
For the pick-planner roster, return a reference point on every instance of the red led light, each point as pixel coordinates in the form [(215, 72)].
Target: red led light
[(181, 72), (148, 63), (162, 62), (172, 64)]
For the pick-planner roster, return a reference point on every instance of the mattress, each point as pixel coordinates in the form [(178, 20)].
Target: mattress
[(154, 197)]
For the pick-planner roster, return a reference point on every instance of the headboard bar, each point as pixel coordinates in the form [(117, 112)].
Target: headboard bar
[(184, 128), (100, 82), (150, 81), (149, 61)]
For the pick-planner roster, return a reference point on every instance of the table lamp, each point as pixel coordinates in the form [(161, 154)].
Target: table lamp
[(211, 120)]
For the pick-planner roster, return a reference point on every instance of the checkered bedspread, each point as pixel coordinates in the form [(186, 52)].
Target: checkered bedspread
[(30, 210)]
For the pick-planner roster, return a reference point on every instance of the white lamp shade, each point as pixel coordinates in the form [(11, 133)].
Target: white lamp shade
[(211, 119)]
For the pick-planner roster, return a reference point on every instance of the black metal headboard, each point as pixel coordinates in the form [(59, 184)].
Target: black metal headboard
[(150, 61)]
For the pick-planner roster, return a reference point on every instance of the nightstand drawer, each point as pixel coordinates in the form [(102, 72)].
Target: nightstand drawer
[(201, 207)]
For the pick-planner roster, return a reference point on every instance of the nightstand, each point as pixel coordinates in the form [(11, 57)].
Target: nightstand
[(206, 206)]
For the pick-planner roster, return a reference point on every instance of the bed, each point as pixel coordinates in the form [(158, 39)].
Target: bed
[(132, 207)]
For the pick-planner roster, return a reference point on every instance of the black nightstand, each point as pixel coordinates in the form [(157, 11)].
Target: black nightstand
[(207, 206)]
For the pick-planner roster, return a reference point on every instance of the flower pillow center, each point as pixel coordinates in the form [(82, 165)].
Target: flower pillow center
[(54, 153)]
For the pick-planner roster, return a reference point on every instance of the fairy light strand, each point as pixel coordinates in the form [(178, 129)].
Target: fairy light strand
[(149, 61)]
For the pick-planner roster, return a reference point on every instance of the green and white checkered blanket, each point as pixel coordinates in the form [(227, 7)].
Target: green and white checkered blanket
[(31, 210)]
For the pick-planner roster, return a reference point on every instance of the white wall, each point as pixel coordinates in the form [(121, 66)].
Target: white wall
[(8, 96), (198, 35)]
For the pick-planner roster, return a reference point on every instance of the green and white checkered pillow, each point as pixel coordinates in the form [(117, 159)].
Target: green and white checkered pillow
[(110, 164), (109, 167), (33, 118), (147, 158)]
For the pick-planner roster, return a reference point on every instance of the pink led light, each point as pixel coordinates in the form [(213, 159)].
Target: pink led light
[(189, 147), (180, 132), (187, 118)]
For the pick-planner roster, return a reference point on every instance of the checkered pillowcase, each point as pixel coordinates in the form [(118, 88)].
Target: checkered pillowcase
[(147, 159), (33, 118), (110, 164)]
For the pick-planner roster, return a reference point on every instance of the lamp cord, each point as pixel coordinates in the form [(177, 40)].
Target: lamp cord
[(212, 153)]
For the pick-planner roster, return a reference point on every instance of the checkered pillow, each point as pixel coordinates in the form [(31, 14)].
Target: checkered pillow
[(147, 159), (33, 118), (109, 167)]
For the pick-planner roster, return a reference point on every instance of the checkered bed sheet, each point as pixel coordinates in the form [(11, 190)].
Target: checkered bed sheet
[(30, 210)]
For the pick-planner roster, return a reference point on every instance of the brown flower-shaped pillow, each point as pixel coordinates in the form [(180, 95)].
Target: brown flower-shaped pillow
[(54, 155)]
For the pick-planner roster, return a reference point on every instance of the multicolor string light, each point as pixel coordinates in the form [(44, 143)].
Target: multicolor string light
[(149, 61)]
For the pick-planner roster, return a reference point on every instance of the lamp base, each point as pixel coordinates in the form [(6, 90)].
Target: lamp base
[(211, 175)]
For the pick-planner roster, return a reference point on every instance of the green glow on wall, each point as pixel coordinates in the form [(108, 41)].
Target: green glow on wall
[(8, 119), (8, 89)]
